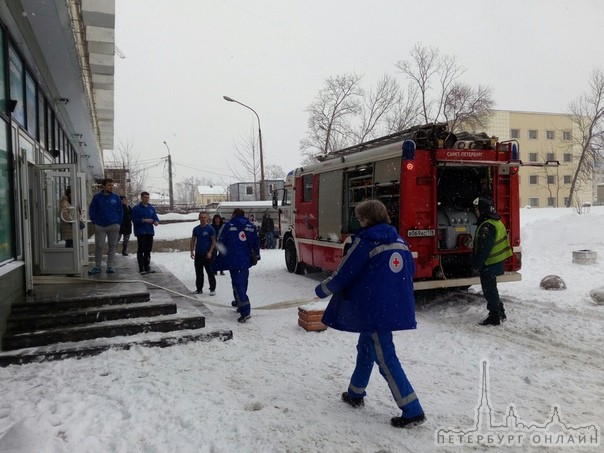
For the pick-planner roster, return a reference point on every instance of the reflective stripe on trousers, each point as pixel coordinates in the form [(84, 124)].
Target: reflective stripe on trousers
[(379, 348), (239, 281)]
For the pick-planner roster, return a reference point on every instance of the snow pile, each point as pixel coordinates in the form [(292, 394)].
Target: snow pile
[(275, 387)]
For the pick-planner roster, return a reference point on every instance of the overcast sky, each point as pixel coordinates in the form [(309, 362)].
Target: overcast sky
[(182, 56)]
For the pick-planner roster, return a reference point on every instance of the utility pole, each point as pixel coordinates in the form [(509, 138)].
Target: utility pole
[(170, 186), (262, 182)]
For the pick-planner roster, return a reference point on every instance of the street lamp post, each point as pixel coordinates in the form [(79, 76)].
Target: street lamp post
[(262, 183), (170, 187)]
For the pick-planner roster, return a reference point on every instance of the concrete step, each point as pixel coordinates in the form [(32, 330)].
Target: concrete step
[(29, 322), (97, 346), (78, 302), (104, 329)]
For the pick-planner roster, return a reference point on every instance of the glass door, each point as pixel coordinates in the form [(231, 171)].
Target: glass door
[(63, 235), (23, 206), (83, 217)]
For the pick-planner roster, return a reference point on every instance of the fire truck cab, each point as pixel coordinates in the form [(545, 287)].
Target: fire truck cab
[(427, 178)]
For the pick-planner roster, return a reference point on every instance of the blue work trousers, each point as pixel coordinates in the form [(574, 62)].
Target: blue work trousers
[(488, 282), (239, 279), (378, 348)]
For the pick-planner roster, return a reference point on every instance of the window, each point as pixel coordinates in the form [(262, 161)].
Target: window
[(532, 157), (532, 134), (42, 121), (307, 188), (2, 85), (534, 202), (50, 141), (15, 69), (6, 219), (551, 179), (550, 135), (551, 202), (31, 102), (514, 133), (551, 156), (568, 157), (249, 190), (533, 179), (566, 201), (566, 135), (566, 179)]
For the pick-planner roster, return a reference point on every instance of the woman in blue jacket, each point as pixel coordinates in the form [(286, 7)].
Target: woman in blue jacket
[(372, 293)]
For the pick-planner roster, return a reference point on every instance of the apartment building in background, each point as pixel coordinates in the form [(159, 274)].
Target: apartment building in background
[(210, 194), (543, 137)]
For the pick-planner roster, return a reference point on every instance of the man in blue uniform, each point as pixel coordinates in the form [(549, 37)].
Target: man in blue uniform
[(105, 213), (144, 219), (491, 248), (372, 293), (202, 244), (238, 250)]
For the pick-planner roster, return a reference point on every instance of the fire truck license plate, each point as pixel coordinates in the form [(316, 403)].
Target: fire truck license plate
[(420, 233)]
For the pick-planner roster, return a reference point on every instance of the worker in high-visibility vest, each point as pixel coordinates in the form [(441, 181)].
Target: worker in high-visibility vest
[(491, 248)]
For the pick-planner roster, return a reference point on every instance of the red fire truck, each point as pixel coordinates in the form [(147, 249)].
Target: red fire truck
[(427, 178)]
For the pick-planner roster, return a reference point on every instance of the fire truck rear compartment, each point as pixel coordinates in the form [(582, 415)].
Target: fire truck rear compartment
[(457, 187)]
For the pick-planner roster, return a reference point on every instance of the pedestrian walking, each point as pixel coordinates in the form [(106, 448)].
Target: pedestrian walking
[(238, 250), (268, 229), (202, 245), (106, 214), (372, 294), (144, 219), (67, 218), (217, 222), (126, 226), (491, 249)]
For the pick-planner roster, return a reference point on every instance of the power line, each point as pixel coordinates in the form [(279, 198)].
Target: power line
[(203, 170)]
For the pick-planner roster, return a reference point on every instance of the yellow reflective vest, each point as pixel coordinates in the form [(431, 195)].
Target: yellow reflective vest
[(501, 247)]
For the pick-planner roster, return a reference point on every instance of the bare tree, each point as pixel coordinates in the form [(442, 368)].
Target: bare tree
[(440, 95), (406, 111), (330, 114), (127, 158), (247, 153), (375, 108), (466, 108), (274, 172), (551, 177), (187, 190), (587, 116)]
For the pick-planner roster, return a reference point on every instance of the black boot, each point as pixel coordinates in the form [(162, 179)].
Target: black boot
[(402, 422), (491, 320), (354, 402), (502, 315)]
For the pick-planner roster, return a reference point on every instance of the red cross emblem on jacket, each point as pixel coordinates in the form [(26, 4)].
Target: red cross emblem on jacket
[(396, 262)]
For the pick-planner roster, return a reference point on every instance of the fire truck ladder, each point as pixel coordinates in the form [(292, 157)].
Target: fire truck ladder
[(425, 137)]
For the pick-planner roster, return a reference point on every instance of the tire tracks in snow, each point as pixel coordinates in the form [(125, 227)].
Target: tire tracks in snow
[(529, 325)]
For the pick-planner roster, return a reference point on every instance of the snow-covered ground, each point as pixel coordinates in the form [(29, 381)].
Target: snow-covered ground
[(276, 388)]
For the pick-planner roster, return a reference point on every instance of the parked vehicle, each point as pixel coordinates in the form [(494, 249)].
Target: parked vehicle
[(257, 209), (427, 177)]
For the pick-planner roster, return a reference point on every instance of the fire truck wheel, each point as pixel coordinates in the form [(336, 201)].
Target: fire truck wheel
[(291, 257)]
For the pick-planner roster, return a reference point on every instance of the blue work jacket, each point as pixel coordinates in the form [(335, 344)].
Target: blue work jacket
[(372, 288), (140, 212), (238, 238), (105, 209)]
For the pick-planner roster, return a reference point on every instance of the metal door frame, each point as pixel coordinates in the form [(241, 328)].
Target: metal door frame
[(55, 258), (23, 206)]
